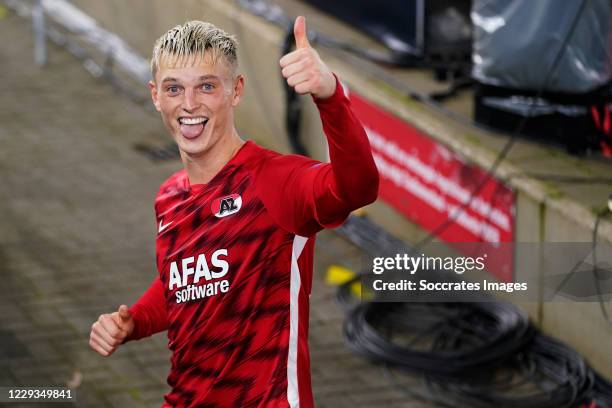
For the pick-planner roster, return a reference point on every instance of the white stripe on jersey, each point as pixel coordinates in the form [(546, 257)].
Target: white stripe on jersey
[(294, 290)]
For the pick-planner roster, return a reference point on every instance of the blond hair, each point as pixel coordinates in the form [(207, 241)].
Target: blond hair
[(194, 38)]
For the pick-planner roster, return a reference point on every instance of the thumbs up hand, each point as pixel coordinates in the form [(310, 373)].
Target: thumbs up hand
[(110, 330), (303, 68)]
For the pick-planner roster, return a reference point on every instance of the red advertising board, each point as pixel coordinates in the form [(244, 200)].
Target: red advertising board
[(428, 182)]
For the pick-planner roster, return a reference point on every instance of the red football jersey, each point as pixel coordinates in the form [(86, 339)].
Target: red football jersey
[(234, 258)]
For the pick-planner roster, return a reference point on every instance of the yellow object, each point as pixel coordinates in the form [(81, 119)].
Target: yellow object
[(337, 275), (3, 12)]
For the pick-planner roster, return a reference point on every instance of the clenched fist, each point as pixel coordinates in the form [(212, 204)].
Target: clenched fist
[(303, 68), (110, 330)]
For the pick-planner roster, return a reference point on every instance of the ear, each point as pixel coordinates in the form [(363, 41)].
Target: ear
[(154, 95), (238, 89)]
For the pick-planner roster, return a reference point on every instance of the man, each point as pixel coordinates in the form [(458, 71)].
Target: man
[(236, 228)]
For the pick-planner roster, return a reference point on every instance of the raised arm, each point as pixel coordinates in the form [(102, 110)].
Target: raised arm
[(355, 177), (302, 194)]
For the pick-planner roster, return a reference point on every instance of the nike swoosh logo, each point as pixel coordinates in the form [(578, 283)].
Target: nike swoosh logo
[(162, 226)]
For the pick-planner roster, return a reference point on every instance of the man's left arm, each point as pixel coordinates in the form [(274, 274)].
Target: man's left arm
[(350, 181), (354, 177)]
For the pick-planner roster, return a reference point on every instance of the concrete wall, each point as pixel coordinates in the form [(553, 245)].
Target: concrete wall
[(541, 213)]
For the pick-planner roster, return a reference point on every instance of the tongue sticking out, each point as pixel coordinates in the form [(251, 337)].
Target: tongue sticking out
[(192, 131)]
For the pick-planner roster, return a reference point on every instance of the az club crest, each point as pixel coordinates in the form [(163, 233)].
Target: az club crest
[(224, 206)]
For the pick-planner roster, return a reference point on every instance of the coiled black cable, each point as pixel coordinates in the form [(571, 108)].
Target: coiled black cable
[(545, 374), (475, 355), (439, 339)]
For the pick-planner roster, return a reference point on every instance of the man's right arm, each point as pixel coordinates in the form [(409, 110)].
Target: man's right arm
[(146, 317), (149, 312)]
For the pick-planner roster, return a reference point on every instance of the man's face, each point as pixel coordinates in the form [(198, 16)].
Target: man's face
[(196, 101)]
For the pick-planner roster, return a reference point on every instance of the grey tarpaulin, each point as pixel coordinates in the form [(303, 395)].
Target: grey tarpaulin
[(515, 42)]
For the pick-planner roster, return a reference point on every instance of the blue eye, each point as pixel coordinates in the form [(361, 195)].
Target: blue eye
[(208, 87), (172, 89)]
